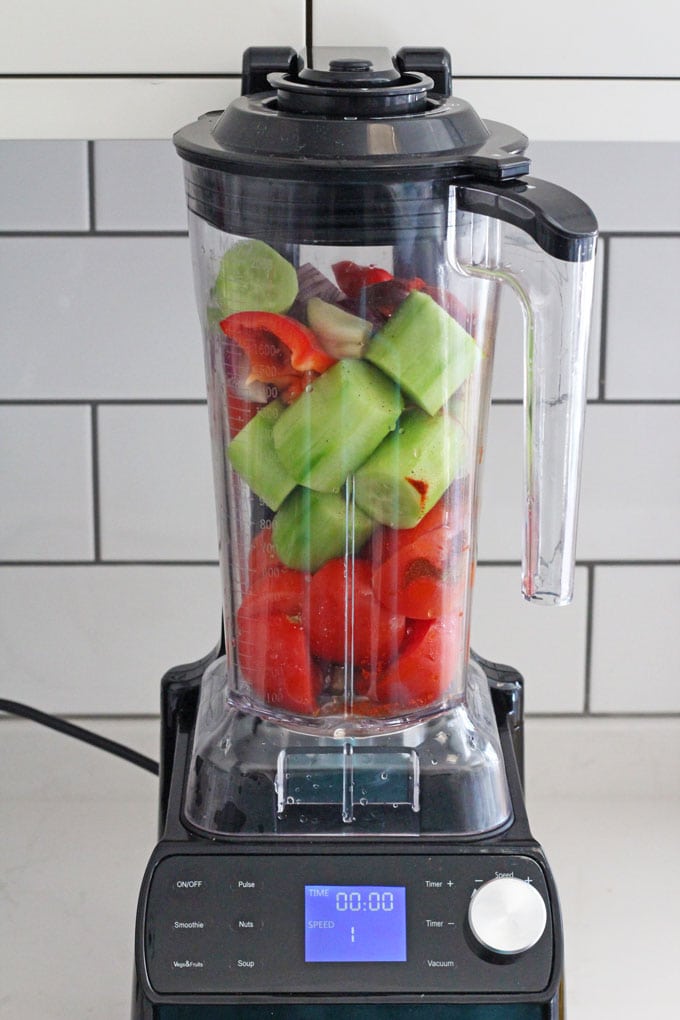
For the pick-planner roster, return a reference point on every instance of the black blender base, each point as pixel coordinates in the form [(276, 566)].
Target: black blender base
[(357, 1011), (221, 926)]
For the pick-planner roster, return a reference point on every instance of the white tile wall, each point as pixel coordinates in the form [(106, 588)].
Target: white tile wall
[(155, 483), (98, 317), (630, 186), (631, 483), (138, 186), (46, 506), (636, 651), (43, 186), (643, 331), (547, 645), (95, 640), (630, 489), (106, 324), (495, 38)]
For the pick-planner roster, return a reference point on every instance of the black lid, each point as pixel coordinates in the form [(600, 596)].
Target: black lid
[(343, 112)]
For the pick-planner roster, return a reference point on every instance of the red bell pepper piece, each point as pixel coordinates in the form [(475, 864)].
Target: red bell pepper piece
[(279, 348), (352, 278)]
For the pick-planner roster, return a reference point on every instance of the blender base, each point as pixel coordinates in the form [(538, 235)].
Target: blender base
[(229, 928)]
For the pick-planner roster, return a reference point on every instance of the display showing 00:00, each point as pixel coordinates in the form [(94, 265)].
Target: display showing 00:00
[(354, 901)]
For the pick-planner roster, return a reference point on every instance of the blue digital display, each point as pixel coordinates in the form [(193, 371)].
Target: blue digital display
[(355, 924)]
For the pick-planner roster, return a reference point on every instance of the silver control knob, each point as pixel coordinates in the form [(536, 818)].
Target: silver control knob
[(507, 915)]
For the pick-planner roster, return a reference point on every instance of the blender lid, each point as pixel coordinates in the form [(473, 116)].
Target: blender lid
[(345, 111)]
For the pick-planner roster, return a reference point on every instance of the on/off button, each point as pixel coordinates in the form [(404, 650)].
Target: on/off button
[(187, 887)]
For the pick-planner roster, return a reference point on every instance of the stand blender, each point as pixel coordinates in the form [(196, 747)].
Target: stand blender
[(343, 832)]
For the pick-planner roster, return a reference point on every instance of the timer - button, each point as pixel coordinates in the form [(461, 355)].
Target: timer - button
[(507, 915)]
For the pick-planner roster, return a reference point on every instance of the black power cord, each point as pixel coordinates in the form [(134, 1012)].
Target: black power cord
[(71, 730)]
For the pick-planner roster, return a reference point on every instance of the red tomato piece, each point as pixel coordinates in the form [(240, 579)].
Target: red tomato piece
[(280, 591), (385, 542), (351, 278), (375, 634), (274, 657), (262, 558), (425, 667), (420, 579)]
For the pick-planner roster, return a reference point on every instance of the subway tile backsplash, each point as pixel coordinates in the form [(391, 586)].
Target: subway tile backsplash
[(98, 318), (155, 483), (139, 186), (43, 186), (107, 530)]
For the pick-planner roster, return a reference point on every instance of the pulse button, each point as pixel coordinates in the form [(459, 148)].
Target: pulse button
[(507, 916)]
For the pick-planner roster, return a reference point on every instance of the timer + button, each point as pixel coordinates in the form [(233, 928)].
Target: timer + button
[(507, 916)]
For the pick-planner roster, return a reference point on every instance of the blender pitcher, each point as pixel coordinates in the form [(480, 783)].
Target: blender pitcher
[(351, 227)]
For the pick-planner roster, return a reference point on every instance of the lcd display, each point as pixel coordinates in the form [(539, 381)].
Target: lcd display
[(355, 923)]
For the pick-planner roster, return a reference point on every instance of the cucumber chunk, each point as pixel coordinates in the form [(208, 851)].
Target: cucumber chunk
[(336, 424), (424, 350), (412, 468), (254, 278), (313, 527), (253, 455)]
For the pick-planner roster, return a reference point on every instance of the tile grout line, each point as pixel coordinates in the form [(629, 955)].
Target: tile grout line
[(96, 507), (90, 188), (590, 613), (604, 321)]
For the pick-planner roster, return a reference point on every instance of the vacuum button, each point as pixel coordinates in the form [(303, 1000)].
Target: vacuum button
[(507, 915)]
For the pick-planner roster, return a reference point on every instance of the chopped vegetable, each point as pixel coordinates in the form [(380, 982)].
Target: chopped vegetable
[(425, 666), (424, 350), (273, 653), (253, 455), (352, 277), (344, 619), (254, 277), (279, 348), (340, 334)]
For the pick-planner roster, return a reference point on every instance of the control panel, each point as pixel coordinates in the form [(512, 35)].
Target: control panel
[(342, 923)]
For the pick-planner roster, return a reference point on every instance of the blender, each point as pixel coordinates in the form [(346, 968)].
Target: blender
[(342, 824)]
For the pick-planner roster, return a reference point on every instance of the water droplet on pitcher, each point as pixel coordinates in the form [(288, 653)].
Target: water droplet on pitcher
[(363, 801), (383, 775), (290, 800)]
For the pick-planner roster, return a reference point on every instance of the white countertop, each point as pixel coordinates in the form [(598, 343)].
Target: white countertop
[(78, 825)]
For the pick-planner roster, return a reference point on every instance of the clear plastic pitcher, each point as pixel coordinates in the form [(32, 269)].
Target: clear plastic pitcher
[(352, 226)]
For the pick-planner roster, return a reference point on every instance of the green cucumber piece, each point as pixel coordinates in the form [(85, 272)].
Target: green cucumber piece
[(313, 527), (253, 455), (425, 350), (336, 424), (341, 334), (412, 468), (254, 278)]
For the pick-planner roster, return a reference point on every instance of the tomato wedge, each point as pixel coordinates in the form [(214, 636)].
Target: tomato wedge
[(274, 657), (372, 634), (421, 579), (425, 667), (282, 591), (262, 558)]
